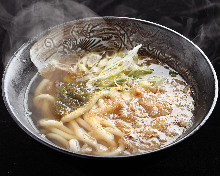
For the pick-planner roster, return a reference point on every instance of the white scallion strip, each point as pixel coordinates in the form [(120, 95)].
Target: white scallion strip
[(116, 65)]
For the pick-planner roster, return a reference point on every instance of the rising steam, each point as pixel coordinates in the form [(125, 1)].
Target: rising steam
[(199, 21), (35, 18)]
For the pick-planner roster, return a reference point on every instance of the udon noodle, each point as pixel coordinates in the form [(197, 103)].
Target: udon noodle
[(112, 103)]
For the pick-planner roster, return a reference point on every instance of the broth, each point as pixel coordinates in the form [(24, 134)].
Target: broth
[(111, 103)]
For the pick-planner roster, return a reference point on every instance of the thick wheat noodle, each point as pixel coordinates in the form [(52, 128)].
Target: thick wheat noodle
[(85, 148), (114, 131), (84, 124), (61, 66), (61, 133), (74, 145), (46, 109), (99, 138), (80, 111), (48, 97), (57, 124), (94, 134), (58, 138), (104, 135), (85, 137), (41, 86), (105, 122), (114, 152)]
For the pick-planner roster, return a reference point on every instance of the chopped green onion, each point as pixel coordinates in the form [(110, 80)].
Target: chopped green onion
[(173, 75), (139, 72), (101, 88), (121, 81)]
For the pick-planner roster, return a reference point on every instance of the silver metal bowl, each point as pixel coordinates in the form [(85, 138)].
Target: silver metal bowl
[(110, 33)]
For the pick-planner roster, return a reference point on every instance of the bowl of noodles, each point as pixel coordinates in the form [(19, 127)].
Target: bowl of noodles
[(109, 87)]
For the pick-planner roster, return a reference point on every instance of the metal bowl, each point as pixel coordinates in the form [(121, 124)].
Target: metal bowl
[(110, 33)]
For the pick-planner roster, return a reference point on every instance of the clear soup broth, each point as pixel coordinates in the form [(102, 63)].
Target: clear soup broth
[(111, 103)]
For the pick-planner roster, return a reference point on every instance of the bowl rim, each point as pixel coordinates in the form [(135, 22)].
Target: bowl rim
[(52, 145)]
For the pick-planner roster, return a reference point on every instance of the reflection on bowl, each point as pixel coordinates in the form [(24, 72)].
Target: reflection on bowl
[(110, 33)]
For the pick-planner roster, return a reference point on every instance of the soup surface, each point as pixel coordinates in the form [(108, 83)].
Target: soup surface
[(111, 103)]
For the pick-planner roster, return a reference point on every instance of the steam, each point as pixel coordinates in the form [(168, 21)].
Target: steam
[(35, 18), (208, 39), (200, 22)]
